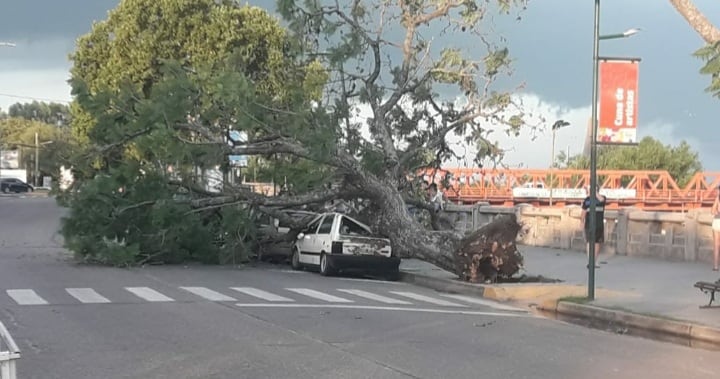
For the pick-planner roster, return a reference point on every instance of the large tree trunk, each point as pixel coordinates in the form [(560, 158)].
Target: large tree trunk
[(709, 32), (485, 255)]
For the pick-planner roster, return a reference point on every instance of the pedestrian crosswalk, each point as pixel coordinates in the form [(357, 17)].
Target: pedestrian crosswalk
[(32, 297)]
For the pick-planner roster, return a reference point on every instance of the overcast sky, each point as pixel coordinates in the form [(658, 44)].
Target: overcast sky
[(551, 46)]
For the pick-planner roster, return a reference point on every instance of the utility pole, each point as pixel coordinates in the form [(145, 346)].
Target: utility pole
[(37, 160), (4, 44), (593, 142), (557, 125)]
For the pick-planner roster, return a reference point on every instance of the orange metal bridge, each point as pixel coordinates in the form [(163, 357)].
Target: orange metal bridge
[(649, 190)]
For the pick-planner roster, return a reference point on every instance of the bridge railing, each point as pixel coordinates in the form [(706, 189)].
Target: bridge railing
[(646, 187), (9, 354)]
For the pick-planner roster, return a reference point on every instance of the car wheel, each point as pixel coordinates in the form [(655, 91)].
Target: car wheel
[(295, 260), (5, 190), (326, 268)]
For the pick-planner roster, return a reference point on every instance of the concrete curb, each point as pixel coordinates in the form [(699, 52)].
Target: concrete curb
[(684, 329), (553, 292), (504, 292), (444, 285)]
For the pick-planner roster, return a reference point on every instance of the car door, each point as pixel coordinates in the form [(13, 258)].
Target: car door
[(305, 244), (13, 185), (323, 238)]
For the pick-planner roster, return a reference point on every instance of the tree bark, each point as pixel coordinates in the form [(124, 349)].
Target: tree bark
[(697, 20), (485, 255)]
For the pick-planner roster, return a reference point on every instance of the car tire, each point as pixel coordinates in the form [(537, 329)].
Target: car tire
[(295, 260), (326, 268)]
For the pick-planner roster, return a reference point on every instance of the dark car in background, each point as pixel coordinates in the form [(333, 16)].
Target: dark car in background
[(14, 185)]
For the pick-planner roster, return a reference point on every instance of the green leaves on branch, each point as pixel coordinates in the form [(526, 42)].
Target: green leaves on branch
[(710, 54), (130, 217), (650, 154)]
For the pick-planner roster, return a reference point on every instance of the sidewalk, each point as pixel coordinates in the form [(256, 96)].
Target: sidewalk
[(660, 289)]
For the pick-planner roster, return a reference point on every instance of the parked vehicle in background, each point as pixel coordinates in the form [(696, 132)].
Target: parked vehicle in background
[(274, 243), (14, 185), (336, 243)]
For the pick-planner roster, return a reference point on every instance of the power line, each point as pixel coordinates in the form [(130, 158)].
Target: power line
[(35, 98)]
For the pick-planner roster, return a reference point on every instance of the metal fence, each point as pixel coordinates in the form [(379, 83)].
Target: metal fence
[(9, 354)]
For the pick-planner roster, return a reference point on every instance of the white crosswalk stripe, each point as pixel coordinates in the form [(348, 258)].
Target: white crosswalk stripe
[(260, 294), (148, 294), (208, 294), (319, 295), (405, 298), (26, 297), (427, 299), (87, 295), (488, 303), (372, 296)]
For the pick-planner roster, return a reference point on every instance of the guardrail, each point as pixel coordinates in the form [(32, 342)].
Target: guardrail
[(9, 354)]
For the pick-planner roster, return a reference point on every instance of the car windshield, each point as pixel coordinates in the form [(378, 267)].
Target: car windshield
[(297, 217)]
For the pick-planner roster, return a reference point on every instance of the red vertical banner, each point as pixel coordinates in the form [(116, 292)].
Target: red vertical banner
[(618, 102)]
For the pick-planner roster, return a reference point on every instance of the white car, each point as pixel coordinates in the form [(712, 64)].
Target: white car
[(334, 242)]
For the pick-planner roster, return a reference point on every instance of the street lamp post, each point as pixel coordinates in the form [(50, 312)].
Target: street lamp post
[(593, 143), (4, 44), (37, 158), (557, 125)]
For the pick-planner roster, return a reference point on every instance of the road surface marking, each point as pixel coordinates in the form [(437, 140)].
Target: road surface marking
[(378, 281), (427, 299), (372, 296), (260, 294), (319, 295), (208, 294), (87, 295), (26, 297), (492, 304), (148, 294), (376, 308)]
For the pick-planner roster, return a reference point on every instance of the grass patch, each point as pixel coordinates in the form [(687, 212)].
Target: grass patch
[(575, 299)]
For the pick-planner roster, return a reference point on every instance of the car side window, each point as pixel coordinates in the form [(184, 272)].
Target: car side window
[(310, 229), (326, 226)]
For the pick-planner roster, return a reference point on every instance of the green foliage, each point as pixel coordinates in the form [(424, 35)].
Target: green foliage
[(710, 54), (49, 113), (56, 143), (129, 217), (390, 66), (131, 45), (650, 154), (156, 87), (158, 84)]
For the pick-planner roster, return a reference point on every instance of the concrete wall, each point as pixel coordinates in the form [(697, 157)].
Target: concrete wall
[(662, 235)]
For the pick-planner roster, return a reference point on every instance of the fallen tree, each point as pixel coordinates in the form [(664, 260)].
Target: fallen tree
[(297, 97)]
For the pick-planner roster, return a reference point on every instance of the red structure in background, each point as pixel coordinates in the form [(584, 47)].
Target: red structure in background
[(648, 190)]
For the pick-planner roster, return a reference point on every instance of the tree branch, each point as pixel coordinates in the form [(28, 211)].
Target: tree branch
[(381, 127), (126, 138), (709, 32), (254, 199)]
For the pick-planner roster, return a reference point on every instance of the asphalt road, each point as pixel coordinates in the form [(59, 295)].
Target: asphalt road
[(75, 321)]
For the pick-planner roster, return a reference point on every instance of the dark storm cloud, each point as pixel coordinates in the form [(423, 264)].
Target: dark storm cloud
[(61, 19), (50, 19)]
